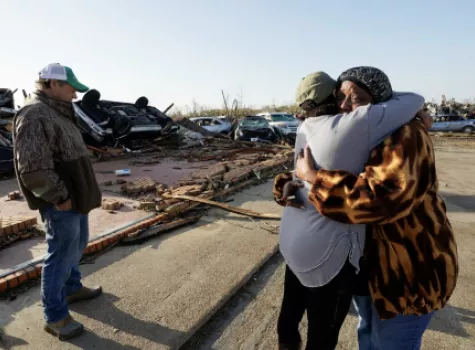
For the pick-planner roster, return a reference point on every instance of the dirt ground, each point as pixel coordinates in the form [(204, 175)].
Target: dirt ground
[(249, 319)]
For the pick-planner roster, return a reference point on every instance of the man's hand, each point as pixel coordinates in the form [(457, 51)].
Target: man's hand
[(305, 167), (426, 118), (66, 206), (288, 194)]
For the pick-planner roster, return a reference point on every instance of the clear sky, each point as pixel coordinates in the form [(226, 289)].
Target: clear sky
[(177, 51)]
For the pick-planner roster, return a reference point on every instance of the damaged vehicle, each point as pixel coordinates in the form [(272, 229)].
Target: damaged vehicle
[(7, 103), (7, 112), (286, 123), (454, 123), (257, 129), (6, 149), (111, 123), (218, 125)]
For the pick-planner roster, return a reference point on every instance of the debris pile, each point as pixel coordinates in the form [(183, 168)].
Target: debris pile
[(451, 107), (144, 136), (237, 166), (17, 228)]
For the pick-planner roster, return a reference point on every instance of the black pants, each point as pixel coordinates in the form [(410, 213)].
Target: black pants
[(326, 307)]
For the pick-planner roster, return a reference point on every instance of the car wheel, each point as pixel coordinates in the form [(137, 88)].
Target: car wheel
[(468, 129)]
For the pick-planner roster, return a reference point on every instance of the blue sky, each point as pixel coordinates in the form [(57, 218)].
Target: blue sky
[(184, 50)]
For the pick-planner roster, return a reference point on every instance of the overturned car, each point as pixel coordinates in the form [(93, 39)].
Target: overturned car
[(7, 103), (111, 123), (7, 112)]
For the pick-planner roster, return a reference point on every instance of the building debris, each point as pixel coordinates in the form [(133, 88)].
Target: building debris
[(227, 207), (111, 204), (158, 229), (122, 172), (16, 224), (141, 185), (13, 196), (147, 206)]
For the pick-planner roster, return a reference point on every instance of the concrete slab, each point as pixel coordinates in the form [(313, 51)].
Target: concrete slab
[(168, 171), (99, 222), (158, 294), (248, 320)]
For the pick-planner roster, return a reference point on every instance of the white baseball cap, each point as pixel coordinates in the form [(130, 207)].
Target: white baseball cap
[(55, 71)]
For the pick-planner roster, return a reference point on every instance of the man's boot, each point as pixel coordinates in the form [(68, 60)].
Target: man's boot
[(84, 293), (65, 329)]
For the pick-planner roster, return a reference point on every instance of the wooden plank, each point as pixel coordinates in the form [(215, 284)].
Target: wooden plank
[(230, 208)]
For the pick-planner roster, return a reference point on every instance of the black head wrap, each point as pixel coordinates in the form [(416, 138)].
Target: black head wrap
[(371, 79)]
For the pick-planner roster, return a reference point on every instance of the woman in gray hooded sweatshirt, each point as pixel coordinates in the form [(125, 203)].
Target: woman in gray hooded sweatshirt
[(322, 255)]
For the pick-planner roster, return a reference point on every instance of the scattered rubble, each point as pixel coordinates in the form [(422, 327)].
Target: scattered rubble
[(451, 107), (205, 183), (15, 195), (111, 204), (142, 185), (15, 224), (147, 206), (27, 233)]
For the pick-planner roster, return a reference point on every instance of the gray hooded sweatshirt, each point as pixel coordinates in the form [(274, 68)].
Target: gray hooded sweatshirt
[(315, 247)]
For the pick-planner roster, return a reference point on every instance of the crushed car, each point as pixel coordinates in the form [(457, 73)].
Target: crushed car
[(7, 112), (7, 103), (257, 129), (6, 149), (219, 125), (112, 123)]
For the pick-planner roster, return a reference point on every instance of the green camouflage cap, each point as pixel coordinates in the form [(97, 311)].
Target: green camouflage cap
[(316, 87)]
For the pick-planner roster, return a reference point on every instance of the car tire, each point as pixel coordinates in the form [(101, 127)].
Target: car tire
[(468, 129)]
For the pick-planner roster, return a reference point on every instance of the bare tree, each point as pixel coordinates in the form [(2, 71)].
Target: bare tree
[(240, 97), (225, 101)]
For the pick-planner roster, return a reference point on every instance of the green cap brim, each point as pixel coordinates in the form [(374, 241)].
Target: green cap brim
[(74, 82)]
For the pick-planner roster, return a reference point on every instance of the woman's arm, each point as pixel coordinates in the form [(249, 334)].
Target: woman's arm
[(395, 179)]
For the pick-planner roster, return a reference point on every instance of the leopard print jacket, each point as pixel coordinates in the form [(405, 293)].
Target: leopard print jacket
[(410, 252)]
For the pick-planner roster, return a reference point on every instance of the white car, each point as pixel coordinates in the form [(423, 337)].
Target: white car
[(218, 125), (285, 122)]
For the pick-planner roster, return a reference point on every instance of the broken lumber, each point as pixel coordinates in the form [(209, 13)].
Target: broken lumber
[(142, 235), (228, 207)]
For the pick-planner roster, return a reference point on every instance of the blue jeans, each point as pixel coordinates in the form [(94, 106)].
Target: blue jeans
[(403, 332), (67, 234)]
